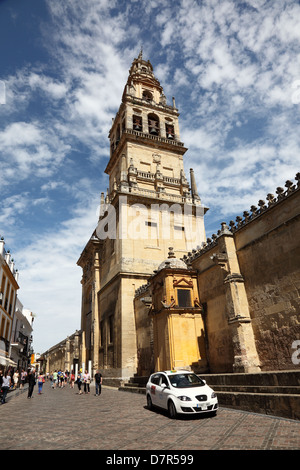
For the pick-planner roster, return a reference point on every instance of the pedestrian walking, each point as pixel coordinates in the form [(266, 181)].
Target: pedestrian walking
[(23, 378), (58, 378), (31, 382), (66, 377), (40, 380), (16, 379), (72, 379), (62, 379), (6, 381), (86, 382), (55, 378), (11, 374), (98, 383), (79, 382)]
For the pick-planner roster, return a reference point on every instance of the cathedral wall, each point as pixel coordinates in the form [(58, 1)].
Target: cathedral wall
[(63, 356), (268, 255), (144, 335), (213, 299), (129, 347), (269, 259), (148, 236), (109, 266), (109, 322), (118, 343)]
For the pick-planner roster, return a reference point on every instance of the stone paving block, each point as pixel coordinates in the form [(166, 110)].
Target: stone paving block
[(63, 420)]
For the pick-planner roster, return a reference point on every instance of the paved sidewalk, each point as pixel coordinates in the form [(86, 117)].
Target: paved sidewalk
[(63, 420)]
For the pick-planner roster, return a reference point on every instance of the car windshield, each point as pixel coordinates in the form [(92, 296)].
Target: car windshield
[(185, 380)]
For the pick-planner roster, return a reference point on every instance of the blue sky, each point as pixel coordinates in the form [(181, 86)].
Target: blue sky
[(234, 70)]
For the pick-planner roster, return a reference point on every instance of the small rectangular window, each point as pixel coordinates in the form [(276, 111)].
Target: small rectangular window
[(151, 224), (184, 297)]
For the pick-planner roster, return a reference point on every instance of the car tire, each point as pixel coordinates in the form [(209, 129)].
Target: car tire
[(172, 410), (149, 403)]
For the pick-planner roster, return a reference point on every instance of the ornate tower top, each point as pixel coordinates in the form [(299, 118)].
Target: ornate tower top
[(142, 83), (146, 153)]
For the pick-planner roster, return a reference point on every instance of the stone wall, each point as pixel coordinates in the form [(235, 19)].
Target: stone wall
[(64, 355), (270, 262), (267, 264), (144, 332), (213, 298)]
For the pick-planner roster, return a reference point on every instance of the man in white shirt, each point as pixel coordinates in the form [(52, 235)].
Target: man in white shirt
[(5, 386)]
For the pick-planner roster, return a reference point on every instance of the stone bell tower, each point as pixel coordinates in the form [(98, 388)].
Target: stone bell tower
[(149, 205), (146, 168)]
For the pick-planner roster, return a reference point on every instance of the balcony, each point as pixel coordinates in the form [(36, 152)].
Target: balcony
[(156, 138)]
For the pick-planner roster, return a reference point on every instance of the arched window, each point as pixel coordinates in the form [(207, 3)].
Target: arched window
[(118, 134), (137, 123), (153, 124), (170, 131), (147, 95)]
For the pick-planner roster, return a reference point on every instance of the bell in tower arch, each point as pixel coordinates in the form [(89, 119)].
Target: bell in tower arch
[(153, 123)]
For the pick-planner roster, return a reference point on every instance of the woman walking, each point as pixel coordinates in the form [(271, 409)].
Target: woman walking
[(86, 382), (23, 378), (40, 380), (72, 379), (16, 379), (79, 383)]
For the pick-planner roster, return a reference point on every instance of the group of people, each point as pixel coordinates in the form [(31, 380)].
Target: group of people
[(60, 379), (85, 379), (10, 379)]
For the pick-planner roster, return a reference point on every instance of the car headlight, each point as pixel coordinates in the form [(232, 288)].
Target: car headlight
[(213, 395), (184, 398)]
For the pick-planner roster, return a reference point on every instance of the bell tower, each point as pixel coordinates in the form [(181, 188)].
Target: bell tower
[(149, 206), (146, 165)]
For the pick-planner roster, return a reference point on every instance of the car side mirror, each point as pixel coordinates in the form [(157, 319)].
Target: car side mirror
[(164, 386)]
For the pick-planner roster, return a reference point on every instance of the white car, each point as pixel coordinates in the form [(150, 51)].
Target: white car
[(180, 392)]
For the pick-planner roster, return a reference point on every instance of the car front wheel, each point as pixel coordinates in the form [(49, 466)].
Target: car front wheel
[(172, 410)]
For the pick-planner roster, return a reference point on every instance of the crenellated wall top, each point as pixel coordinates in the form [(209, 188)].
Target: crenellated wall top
[(248, 217)]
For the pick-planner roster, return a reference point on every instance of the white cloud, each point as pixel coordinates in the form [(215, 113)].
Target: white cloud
[(53, 88), (26, 149)]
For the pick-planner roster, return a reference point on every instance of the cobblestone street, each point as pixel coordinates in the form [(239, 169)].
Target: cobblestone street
[(63, 420)]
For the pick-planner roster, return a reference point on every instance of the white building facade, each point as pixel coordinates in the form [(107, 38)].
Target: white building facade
[(21, 338)]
